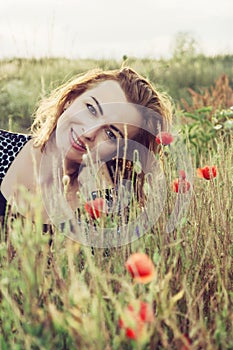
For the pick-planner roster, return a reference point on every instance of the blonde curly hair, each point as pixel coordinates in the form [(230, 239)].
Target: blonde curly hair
[(137, 89)]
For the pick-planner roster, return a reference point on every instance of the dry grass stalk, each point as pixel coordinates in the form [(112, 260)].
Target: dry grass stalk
[(219, 96)]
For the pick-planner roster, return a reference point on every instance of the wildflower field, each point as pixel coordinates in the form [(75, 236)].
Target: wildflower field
[(168, 289)]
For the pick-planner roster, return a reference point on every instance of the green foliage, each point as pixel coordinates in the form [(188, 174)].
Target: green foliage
[(23, 82), (62, 296), (203, 130), (57, 294)]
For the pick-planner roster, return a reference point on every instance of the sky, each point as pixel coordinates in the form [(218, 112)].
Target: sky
[(111, 29)]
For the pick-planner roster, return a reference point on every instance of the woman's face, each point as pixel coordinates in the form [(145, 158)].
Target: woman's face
[(98, 120)]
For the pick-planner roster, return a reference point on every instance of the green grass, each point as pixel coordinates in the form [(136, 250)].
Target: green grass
[(61, 296), (57, 294)]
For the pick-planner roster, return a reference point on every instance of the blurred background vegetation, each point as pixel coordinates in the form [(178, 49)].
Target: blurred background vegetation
[(24, 82), (200, 86), (61, 296)]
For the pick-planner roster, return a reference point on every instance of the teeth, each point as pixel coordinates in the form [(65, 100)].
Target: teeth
[(74, 136), (76, 140)]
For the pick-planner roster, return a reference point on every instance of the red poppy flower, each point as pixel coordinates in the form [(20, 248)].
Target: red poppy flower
[(180, 184), (164, 138), (146, 312), (136, 318), (130, 333), (207, 172), (140, 267), (188, 345), (96, 208)]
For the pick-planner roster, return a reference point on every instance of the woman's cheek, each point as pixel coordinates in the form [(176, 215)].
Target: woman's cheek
[(104, 151)]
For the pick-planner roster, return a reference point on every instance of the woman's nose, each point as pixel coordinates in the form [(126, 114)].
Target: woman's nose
[(89, 134)]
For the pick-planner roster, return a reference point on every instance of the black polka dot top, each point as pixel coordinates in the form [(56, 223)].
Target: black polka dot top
[(10, 145)]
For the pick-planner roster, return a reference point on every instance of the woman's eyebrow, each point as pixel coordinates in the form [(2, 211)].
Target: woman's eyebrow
[(101, 112), (98, 105), (117, 130)]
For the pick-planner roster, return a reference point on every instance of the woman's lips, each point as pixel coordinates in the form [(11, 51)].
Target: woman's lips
[(76, 142)]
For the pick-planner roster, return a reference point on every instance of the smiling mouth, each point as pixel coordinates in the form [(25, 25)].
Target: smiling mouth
[(76, 142)]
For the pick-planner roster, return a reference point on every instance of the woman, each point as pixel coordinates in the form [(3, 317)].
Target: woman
[(95, 115)]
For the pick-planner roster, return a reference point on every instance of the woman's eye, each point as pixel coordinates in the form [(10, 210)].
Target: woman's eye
[(110, 135), (91, 109)]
